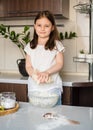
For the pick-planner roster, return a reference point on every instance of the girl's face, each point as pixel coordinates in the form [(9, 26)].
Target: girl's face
[(43, 27)]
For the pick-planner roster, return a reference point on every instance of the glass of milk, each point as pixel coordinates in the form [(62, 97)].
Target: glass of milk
[(8, 99)]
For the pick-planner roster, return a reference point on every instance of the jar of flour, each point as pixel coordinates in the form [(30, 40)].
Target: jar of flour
[(8, 100)]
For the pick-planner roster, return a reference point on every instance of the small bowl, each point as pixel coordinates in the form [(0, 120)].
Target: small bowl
[(81, 55), (41, 99)]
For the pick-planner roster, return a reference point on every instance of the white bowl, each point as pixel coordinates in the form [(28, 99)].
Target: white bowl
[(81, 55), (42, 99)]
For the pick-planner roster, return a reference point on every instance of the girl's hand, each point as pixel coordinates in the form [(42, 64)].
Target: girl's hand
[(43, 77)]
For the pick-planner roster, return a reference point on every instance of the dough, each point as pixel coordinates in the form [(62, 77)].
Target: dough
[(35, 77)]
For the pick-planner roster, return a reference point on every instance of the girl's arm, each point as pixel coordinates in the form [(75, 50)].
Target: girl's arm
[(28, 66), (58, 66)]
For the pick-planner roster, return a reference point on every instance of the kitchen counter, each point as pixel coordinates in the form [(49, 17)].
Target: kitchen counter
[(68, 80), (13, 78), (29, 117), (77, 90)]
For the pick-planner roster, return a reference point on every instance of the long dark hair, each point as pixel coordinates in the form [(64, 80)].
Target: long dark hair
[(50, 44)]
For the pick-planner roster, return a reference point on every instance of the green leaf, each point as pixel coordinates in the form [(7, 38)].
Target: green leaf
[(74, 34), (82, 51), (26, 28), (5, 36), (66, 35), (61, 36), (8, 28), (26, 39), (70, 35), (2, 29), (12, 35)]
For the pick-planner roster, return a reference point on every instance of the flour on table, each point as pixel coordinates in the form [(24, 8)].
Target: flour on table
[(53, 123)]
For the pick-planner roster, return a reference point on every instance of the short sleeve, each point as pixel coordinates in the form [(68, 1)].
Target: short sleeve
[(59, 46), (27, 49)]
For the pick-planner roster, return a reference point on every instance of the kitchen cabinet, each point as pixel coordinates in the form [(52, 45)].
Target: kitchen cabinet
[(67, 95), (79, 94), (29, 8), (19, 89)]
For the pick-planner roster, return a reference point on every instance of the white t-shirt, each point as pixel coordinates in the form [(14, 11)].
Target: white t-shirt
[(42, 60)]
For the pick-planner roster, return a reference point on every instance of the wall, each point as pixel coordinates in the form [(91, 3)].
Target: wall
[(80, 24), (77, 22)]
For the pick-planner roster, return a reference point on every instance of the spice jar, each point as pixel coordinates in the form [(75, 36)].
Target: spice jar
[(8, 100)]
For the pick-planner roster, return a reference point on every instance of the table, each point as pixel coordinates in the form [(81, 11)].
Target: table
[(29, 117)]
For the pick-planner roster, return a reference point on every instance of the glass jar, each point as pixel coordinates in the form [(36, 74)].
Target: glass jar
[(8, 100)]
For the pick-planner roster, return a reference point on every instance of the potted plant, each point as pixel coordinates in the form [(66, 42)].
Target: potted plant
[(20, 39), (82, 54)]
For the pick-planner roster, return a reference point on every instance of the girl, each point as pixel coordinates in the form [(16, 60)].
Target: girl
[(44, 57)]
